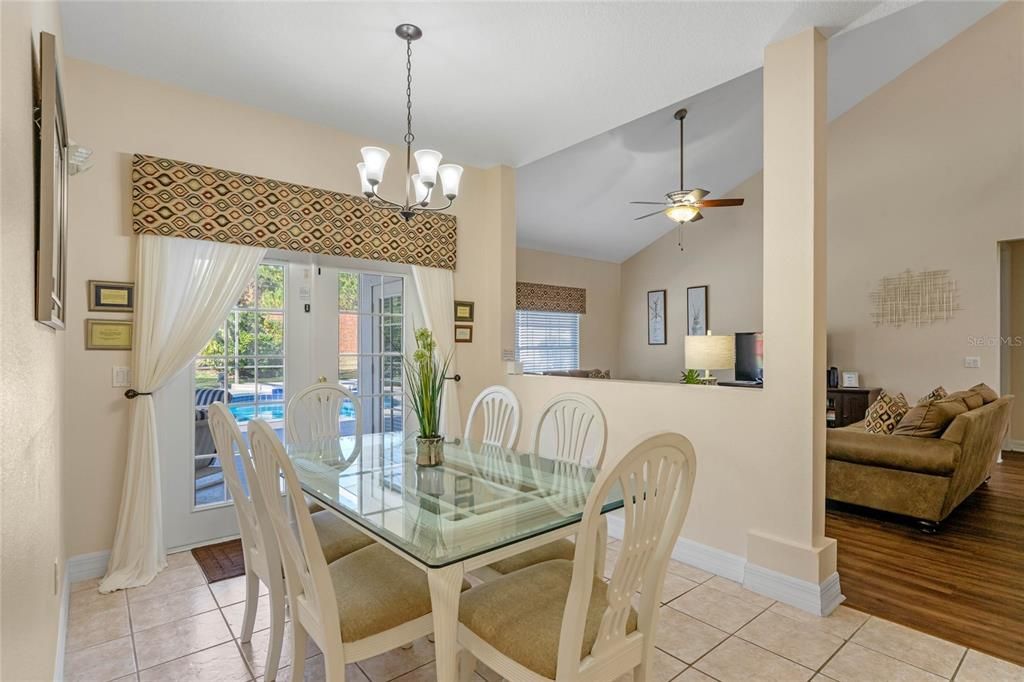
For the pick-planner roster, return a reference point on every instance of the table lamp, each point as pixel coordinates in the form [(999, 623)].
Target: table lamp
[(710, 352)]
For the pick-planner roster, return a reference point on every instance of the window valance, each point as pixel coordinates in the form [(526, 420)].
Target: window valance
[(178, 199), (550, 298)]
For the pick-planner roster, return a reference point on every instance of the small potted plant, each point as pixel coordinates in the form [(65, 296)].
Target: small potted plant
[(426, 377)]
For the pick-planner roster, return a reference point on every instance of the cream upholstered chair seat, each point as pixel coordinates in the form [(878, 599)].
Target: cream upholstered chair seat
[(559, 549), (337, 537), (520, 614), (377, 590)]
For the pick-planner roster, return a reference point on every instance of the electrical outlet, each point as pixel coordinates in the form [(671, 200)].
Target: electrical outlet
[(972, 362), (121, 377)]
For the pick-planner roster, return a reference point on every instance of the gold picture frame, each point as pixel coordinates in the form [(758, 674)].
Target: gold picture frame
[(464, 311), (108, 334), (463, 333), (111, 297)]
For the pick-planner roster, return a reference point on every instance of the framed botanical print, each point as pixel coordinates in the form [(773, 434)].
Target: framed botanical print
[(113, 297), (463, 333), (697, 310), (657, 334), (108, 335), (464, 311)]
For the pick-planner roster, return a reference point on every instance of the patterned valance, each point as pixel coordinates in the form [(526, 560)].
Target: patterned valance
[(550, 298), (177, 199)]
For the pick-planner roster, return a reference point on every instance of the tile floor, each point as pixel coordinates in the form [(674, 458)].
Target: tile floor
[(179, 628)]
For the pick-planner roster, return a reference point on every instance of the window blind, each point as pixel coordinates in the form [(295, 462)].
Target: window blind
[(547, 341)]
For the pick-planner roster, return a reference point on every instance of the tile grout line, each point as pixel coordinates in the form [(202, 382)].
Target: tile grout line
[(131, 633), (912, 665), (960, 663)]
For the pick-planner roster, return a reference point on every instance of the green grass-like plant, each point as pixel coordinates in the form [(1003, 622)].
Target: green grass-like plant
[(426, 377), (690, 376)]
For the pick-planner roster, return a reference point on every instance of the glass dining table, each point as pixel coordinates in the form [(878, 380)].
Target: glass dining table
[(483, 504)]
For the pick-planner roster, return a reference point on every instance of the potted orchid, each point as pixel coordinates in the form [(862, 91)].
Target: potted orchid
[(426, 377)]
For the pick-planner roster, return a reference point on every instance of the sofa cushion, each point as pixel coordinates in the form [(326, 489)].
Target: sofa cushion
[(971, 398), (930, 419), (986, 392), (852, 444), (937, 393), (885, 413)]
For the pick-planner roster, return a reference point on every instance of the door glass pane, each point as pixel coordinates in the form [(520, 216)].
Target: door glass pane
[(348, 333), (348, 372), (243, 366), (348, 291)]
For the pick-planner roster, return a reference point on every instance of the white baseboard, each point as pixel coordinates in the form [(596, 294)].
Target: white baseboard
[(820, 599), (1015, 445), (62, 625), (85, 566)]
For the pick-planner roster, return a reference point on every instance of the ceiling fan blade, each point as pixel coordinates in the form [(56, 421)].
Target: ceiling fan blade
[(652, 203), (695, 218), (714, 203), (648, 215)]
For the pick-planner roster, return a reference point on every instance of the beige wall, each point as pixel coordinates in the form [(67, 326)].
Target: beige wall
[(117, 115), (32, 371), (722, 251), (894, 162), (599, 328), (928, 176), (1016, 343)]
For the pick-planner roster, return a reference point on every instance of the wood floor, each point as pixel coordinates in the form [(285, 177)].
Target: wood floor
[(964, 584)]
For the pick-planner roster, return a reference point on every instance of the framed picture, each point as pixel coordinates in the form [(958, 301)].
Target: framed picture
[(463, 333), (51, 197), (697, 311), (656, 331), (108, 334), (114, 297), (464, 311)]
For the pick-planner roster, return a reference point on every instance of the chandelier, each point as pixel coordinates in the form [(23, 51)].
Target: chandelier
[(419, 187)]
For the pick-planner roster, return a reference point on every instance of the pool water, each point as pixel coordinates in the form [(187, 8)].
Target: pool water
[(244, 412)]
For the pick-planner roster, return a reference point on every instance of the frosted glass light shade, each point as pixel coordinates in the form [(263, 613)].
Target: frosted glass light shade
[(427, 161), (683, 213), (364, 184), (710, 352), (421, 191), (375, 159), (451, 175)]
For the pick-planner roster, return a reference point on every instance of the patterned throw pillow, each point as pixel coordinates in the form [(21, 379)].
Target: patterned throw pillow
[(600, 374), (937, 393), (885, 413)]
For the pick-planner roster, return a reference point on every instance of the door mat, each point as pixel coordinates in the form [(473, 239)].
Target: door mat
[(221, 561)]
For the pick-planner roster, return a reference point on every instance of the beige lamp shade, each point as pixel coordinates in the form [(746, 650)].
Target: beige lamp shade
[(710, 352)]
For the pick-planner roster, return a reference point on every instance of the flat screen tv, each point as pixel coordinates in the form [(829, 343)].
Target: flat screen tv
[(749, 356)]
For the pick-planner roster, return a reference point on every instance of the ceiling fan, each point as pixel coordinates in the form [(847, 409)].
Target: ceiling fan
[(685, 205)]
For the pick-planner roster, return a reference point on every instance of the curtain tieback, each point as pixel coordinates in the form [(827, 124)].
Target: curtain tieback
[(132, 394)]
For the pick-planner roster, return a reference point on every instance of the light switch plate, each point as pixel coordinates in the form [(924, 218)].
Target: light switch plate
[(121, 377), (972, 362)]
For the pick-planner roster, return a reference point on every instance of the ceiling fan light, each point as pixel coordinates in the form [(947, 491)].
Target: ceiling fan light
[(375, 159), (451, 176), (682, 213), (427, 161)]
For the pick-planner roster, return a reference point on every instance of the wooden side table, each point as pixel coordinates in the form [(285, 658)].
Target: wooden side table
[(846, 406)]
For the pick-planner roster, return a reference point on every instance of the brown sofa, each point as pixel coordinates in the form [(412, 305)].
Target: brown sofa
[(926, 478)]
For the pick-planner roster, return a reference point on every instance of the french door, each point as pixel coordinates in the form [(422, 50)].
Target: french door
[(294, 325)]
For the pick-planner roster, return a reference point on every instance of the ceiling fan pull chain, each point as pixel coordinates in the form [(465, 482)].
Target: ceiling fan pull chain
[(409, 137)]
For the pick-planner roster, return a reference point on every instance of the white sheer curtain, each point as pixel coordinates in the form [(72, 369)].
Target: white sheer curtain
[(436, 290), (184, 289)]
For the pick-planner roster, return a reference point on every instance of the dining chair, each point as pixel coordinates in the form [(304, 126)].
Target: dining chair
[(501, 414), (363, 604), (259, 549), (313, 414), (572, 431), (556, 620)]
